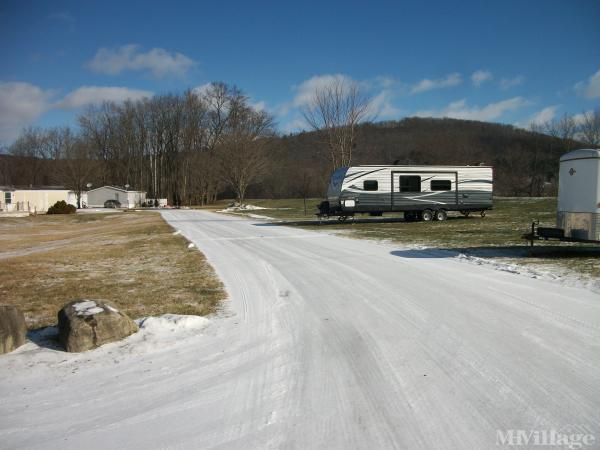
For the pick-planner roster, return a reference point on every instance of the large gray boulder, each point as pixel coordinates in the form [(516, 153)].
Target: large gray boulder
[(13, 329), (87, 324)]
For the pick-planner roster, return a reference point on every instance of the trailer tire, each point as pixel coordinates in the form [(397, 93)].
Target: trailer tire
[(482, 213), (441, 215), (427, 215)]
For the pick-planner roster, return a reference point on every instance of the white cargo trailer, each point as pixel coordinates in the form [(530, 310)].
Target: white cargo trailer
[(578, 209), (579, 195)]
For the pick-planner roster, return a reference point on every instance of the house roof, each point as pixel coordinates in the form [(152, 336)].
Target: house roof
[(33, 188), (114, 188)]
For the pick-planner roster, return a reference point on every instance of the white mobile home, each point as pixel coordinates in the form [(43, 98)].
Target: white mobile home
[(579, 195), (421, 192), (33, 200), (128, 199)]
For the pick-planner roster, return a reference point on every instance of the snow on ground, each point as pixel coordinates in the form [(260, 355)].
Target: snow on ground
[(260, 217), (238, 207), (325, 342)]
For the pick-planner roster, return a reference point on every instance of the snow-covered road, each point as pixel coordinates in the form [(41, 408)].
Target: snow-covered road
[(327, 342)]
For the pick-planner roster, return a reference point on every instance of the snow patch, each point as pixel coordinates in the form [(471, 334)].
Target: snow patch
[(171, 323), (258, 216), (191, 245), (87, 308), (177, 233), (238, 207)]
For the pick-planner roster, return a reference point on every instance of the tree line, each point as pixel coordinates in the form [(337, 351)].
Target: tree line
[(186, 147), (194, 147)]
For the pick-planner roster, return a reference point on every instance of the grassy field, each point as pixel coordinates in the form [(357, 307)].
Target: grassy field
[(130, 259), (496, 236)]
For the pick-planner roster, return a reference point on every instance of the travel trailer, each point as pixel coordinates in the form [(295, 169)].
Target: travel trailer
[(420, 192), (578, 209)]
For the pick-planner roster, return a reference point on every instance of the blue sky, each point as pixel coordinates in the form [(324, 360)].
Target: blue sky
[(507, 61)]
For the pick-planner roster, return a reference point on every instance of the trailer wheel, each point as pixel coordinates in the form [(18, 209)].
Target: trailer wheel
[(465, 213), (427, 215), (441, 215), (482, 213), (343, 218)]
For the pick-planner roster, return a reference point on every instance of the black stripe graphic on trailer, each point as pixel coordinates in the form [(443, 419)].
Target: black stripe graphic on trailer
[(362, 174), (475, 181)]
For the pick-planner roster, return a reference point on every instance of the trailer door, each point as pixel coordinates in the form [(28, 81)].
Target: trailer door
[(421, 190)]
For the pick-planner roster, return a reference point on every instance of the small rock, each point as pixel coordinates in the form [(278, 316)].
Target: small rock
[(13, 330), (87, 324)]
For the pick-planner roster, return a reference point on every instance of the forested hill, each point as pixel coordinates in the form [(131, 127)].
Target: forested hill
[(525, 163)]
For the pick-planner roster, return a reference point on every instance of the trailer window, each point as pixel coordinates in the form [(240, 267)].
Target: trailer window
[(441, 185), (370, 185), (8, 198), (410, 183)]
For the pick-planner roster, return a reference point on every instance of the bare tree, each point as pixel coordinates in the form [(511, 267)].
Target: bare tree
[(31, 147), (304, 185), (590, 128), (243, 147), (76, 166), (96, 124), (336, 109), (564, 128)]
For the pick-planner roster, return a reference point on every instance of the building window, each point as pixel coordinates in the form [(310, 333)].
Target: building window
[(7, 198), (410, 183), (370, 185), (441, 185)]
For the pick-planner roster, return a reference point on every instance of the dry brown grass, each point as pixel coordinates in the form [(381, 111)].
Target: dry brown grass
[(130, 259)]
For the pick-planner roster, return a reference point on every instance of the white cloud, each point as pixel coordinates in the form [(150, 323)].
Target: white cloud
[(259, 106), (158, 61), (88, 95), (386, 82), (381, 106), (381, 90), (581, 118), (202, 89), (306, 90), (590, 88), (461, 110), (21, 104), (480, 76), (426, 84), (543, 116), (294, 125), (507, 83)]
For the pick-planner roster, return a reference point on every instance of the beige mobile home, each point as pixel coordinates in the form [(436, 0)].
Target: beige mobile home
[(33, 200)]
